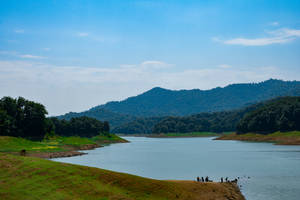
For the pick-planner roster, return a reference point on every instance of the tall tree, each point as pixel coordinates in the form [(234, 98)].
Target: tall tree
[(22, 118)]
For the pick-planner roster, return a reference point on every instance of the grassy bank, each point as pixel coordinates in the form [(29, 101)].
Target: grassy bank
[(280, 138), (35, 178), (191, 134), (56, 146)]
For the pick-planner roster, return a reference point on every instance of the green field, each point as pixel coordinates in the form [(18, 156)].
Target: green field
[(54, 144), (281, 138), (34, 178)]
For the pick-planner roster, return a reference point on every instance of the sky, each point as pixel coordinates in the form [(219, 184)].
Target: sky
[(71, 55)]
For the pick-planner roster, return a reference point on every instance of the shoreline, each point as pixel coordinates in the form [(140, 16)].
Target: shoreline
[(180, 136), (76, 181), (57, 148), (74, 152), (173, 135), (277, 138), (62, 154)]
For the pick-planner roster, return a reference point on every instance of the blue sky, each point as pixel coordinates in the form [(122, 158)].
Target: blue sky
[(72, 55)]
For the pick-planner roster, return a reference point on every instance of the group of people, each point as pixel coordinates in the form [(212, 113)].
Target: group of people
[(206, 179), (203, 180)]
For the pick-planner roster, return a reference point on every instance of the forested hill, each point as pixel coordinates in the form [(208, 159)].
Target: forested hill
[(224, 121), (163, 102), (159, 102), (114, 119), (282, 114)]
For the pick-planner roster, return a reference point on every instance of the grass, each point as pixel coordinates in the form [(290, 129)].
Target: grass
[(14, 144), (35, 178), (54, 144), (112, 138), (281, 138)]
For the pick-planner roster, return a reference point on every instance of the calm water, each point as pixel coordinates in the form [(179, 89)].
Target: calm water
[(274, 170)]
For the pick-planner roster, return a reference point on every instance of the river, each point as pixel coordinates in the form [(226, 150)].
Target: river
[(265, 171)]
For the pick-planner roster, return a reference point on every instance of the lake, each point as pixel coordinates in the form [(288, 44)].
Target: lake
[(266, 171)]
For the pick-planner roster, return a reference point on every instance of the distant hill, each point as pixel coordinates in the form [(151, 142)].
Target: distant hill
[(139, 126), (217, 122), (223, 121), (279, 114), (114, 119), (159, 102), (163, 102)]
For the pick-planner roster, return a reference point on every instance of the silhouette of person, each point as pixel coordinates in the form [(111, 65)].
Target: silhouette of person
[(221, 179), (198, 179)]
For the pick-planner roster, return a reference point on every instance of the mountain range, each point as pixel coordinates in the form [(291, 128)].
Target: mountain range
[(159, 102)]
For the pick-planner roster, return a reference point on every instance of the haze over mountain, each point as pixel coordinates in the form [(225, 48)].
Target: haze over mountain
[(159, 102)]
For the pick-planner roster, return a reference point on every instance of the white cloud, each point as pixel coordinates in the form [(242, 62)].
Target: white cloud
[(258, 41), (155, 64), (68, 88), (148, 65), (290, 32), (83, 34), (32, 56), (280, 36), (274, 23), (16, 54), (20, 31)]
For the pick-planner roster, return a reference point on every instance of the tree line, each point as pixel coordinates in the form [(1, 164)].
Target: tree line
[(280, 114), (141, 125), (204, 122), (80, 126), (23, 118)]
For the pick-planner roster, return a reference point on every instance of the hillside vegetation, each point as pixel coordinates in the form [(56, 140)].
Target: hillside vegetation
[(282, 114), (115, 119), (204, 122), (80, 126), (139, 126), (164, 102), (216, 122), (136, 113), (34, 178)]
